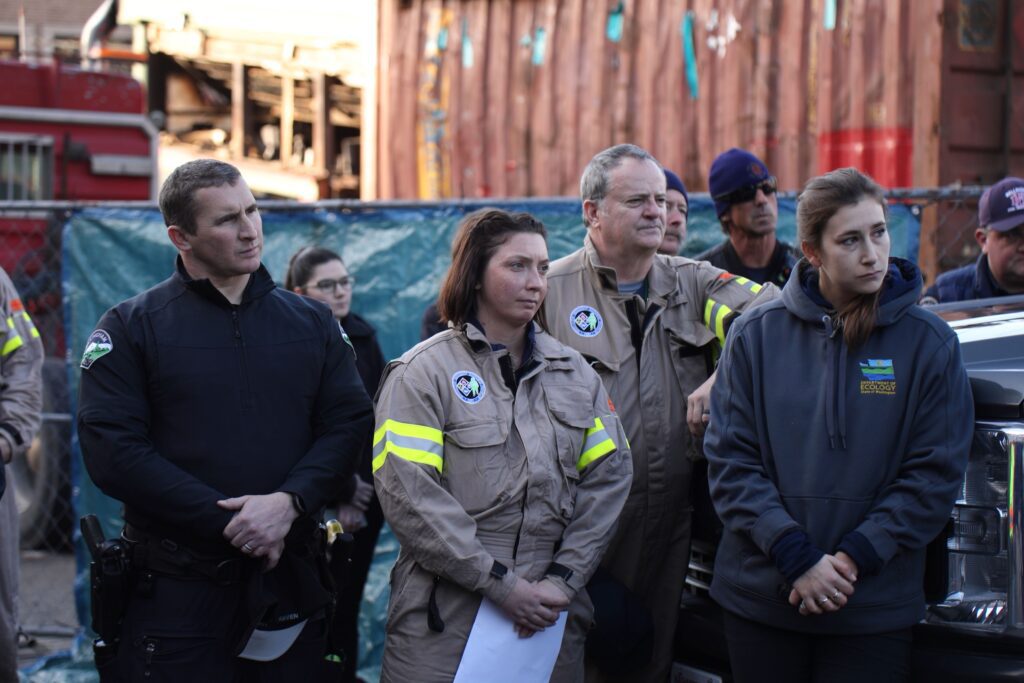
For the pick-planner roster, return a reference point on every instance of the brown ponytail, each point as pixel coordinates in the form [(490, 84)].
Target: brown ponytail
[(858, 318)]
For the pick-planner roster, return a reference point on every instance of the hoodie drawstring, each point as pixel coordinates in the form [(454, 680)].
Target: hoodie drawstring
[(841, 395), (835, 396)]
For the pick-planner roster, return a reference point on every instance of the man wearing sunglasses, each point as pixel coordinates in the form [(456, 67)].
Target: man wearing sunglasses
[(744, 194)]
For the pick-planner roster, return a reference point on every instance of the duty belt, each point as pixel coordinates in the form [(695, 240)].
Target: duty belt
[(168, 557)]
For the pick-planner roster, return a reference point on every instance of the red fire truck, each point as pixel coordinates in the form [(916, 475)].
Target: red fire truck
[(66, 134)]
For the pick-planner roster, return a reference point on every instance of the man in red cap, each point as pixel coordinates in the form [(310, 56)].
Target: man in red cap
[(999, 270)]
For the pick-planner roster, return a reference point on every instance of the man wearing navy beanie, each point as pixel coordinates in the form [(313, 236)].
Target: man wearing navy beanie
[(743, 191), (677, 207)]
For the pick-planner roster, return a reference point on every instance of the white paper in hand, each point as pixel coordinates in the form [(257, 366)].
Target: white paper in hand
[(496, 654)]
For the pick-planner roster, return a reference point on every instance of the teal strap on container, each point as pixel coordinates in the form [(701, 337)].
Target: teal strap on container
[(690, 55), (467, 46), (540, 39), (614, 28), (828, 19)]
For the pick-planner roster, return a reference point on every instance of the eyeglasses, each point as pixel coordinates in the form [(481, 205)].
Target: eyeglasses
[(745, 194), (328, 286)]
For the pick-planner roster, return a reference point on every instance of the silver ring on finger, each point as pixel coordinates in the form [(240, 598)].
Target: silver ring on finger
[(823, 599), (247, 549), (835, 596)]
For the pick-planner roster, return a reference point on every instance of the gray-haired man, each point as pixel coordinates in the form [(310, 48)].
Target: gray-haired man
[(650, 325)]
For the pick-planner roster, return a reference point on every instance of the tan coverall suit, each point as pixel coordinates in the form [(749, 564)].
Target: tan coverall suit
[(470, 474), (21, 404), (651, 354)]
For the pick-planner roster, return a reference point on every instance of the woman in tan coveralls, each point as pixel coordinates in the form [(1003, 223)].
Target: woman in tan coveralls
[(498, 459)]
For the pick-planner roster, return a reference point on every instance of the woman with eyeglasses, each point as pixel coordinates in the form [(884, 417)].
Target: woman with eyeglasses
[(841, 422), (320, 274)]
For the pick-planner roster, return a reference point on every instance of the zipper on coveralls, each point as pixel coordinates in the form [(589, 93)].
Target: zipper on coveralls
[(509, 376)]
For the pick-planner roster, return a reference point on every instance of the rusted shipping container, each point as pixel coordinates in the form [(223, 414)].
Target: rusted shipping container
[(512, 97)]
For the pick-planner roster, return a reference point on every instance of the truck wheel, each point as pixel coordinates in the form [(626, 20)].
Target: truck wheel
[(41, 477)]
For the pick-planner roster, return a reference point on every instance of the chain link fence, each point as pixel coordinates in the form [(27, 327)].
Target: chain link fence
[(40, 479), (949, 218), (30, 253)]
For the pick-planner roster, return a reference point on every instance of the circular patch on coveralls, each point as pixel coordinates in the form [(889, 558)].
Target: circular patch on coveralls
[(585, 321), (469, 386)]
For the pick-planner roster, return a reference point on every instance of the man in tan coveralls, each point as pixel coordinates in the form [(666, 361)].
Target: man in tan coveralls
[(650, 325), (21, 403)]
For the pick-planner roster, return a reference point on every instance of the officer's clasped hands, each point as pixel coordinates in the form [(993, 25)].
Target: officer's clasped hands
[(260, 524)]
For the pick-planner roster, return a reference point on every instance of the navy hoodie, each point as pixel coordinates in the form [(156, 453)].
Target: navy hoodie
[(863, 449)]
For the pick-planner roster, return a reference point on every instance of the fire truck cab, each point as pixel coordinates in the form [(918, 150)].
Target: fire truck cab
[(66, 134)]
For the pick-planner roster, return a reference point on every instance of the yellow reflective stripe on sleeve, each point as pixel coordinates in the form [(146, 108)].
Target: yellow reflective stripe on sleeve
[(749, 284), (14, 341), (714, 318), (596, 443), (412, 442), (34, 332), (12, 345), (708, 307)]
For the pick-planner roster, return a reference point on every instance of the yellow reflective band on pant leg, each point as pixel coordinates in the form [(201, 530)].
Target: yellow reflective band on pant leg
[(412, 442), (596, 444)]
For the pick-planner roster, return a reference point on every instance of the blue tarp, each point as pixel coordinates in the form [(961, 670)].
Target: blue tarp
[(398, 254)]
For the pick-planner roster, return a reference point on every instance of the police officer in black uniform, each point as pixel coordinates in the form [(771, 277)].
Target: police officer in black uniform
[(224, 413)]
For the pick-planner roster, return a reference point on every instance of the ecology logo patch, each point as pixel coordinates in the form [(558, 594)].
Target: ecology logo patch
[(585, 321), (99, 345), (878, 377), (469, 386)]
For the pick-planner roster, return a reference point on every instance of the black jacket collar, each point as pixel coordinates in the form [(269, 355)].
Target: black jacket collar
[(260, 283)]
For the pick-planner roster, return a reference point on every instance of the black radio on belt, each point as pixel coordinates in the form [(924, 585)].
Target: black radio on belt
[(110, 584)]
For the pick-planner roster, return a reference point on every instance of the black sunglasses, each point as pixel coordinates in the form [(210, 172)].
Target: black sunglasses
[(745, 194)]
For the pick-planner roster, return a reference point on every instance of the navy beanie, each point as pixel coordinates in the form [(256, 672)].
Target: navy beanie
[(673, 182), (732, 170)]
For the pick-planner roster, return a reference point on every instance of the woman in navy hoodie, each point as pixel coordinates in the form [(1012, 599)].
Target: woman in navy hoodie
[(840, 426)]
